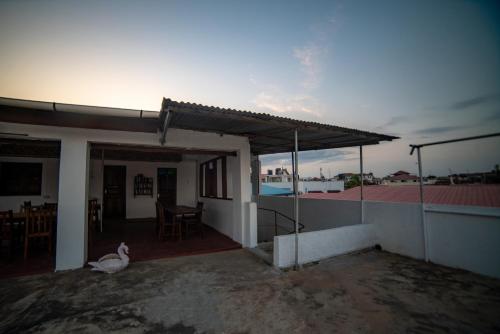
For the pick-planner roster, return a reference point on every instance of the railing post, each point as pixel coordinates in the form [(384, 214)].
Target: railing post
[(275, 224), (361, 172), (296, 192)]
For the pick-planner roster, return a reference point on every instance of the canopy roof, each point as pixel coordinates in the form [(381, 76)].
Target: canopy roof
[(267, 133)]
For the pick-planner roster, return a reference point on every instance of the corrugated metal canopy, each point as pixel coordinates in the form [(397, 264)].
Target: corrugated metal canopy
[(267, 133)]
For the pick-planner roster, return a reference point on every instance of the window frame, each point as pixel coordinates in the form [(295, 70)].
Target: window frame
[(23, 171), (209, 182)]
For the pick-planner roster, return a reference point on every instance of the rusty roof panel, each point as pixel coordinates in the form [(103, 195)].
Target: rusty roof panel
[(267, 133)]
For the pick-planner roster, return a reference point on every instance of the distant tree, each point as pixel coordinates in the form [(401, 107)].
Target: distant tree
[(355, 181)]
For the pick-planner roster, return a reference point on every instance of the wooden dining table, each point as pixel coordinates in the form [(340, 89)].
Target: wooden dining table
[(178, 212), (181, 210)]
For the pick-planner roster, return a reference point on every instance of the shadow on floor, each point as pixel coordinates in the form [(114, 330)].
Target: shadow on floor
[(38, 262), (140, 237)]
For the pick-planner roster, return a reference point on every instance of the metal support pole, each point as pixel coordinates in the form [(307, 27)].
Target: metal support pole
[(293, 171), (102, 180), (424, 225), (296, 193), (361, 178)]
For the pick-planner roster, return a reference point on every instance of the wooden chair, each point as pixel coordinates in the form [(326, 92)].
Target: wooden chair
[(194, 220), (6, 232), (169, 225), (38, 226), (50, 206), (93, 219), (26, 206)]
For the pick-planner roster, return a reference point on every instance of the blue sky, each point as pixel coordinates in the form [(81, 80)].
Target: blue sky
[(423, 70)]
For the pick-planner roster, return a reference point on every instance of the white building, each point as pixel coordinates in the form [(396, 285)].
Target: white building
[(66, 154)]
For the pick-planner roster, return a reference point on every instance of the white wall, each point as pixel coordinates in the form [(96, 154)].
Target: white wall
[(317, 245), (50, 177), (144, 206), (221, 213), (313, 213), (457, 236), (465, 237), (218, 213), (399, 227), (75, 224)]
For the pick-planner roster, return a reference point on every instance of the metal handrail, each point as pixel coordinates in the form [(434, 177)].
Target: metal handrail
[(276, 213)]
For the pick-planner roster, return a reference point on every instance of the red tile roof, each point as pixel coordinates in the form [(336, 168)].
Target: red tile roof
[(399, 177), (475, 195)]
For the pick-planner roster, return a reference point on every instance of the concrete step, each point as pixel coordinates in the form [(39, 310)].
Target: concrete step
[(264, 251)]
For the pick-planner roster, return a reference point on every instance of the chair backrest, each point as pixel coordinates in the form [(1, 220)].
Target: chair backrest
[(160, 210), (5, 227), (38, 222), (26, 206), (199, 206), (50, 206)]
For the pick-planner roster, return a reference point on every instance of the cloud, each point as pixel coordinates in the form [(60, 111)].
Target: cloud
[(308, 57), (475, 101), (278, 102), (492, 118), (302, 103), (395, 120), (439, 130)]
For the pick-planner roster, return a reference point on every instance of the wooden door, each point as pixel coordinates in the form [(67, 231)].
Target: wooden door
[(114, 203), (167, 186)]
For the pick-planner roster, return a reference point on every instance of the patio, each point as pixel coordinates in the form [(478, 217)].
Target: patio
[(233, 291)]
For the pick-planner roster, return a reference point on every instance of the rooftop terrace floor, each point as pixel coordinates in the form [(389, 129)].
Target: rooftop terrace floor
[(234, 292)]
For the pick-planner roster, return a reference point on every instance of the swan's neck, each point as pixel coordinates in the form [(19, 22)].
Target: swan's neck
[(122, 254)]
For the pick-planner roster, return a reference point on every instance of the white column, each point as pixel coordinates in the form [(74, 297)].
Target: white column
[(72, 204), (242, 191)]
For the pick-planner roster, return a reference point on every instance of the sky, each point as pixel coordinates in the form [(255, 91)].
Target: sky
[(421, 70)]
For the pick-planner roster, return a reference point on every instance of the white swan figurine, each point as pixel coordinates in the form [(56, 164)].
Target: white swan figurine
[(112, 263)]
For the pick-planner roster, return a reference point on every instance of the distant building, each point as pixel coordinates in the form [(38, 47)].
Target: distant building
[(281, 183), (400, 178), (281, 175), (368, 178), (492, 177)]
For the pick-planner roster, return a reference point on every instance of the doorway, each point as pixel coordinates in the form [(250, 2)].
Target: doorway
[(114, 202), (167, 186)]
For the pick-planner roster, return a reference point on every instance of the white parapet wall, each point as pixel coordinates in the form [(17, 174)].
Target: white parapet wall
[(399, 227), (318, 245), (457, 236), (315, 214), (465, 237)]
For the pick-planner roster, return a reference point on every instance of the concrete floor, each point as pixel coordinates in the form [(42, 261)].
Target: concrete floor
[(235, 292)]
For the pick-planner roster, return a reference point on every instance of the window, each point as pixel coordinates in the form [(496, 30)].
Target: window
[(214, 178), (20, 179)]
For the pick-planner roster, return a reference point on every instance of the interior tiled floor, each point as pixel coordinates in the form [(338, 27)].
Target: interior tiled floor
[(139, 236)]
